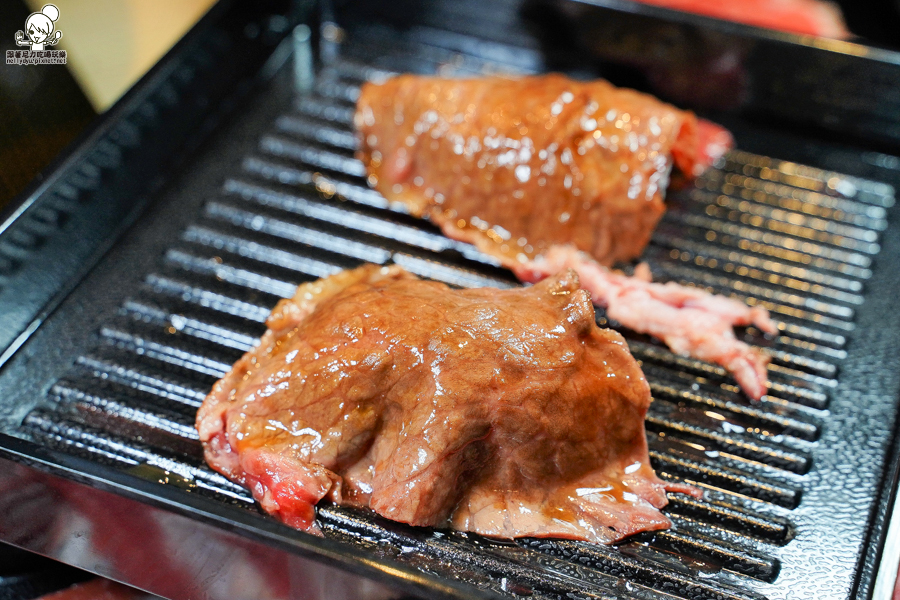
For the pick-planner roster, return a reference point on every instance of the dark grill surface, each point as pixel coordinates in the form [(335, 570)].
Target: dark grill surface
[(797, 240)]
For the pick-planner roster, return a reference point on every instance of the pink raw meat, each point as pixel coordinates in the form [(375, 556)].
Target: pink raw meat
[(690, 321)]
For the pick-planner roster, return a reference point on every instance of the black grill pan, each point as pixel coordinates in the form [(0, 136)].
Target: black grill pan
[(104, 392)]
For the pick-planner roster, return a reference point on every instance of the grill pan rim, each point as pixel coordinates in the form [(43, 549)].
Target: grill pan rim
[(251, 526)]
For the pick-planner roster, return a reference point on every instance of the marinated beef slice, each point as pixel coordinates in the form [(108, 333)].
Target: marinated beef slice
[(503, 412), (516, 166)]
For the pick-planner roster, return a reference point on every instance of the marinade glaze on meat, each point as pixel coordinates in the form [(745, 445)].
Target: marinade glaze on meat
[(515, 166), (546, 173), (503, 412)]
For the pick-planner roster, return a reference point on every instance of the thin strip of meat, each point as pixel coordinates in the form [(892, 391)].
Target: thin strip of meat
[(539, 167), (690, 321), (503, 412)]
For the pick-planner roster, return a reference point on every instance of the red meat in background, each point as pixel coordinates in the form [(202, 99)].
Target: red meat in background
[(98, 589), (811, 17)]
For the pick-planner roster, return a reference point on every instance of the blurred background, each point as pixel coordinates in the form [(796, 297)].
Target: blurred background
[(110, 44)]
